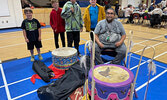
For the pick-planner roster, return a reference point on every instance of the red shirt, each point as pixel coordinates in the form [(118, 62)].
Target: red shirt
[(56, 22)]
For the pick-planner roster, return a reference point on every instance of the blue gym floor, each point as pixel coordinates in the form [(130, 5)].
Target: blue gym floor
[(15, 79)]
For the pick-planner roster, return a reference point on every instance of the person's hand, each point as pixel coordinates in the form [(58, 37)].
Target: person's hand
[(101, 45), (117, 44), (81, 29), (39, 38), (55, 30), (72, 10), (26, 40)]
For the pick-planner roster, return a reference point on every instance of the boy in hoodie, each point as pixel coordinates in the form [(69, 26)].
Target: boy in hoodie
[(57, 23), (74, 24)]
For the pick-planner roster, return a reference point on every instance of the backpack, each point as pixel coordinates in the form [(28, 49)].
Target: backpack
[(42, 70)]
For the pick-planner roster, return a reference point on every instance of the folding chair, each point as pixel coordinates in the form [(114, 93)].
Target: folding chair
[(146, 18), (136, 16), (111, 53)]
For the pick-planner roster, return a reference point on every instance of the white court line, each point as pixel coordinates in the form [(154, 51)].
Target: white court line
[(16, 82), (151, 80), (24, 94), (139, 44), (2, 86), (19, 81), (161, 54), (5, 82), (84, 39), (137, 65), (19, 36), (12, 45), (23, 36), (147, 60), (22, 43), (148, 40), (11, 37), (25, 43), (150, 47)]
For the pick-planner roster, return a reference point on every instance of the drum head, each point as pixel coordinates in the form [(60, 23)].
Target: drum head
[(64, 52), (111, 74)]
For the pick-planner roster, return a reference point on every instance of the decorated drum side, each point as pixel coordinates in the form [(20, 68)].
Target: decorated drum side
[(112, 82), (63, 58)]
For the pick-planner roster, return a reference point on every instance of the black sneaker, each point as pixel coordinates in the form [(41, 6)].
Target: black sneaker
[(127, 22), (132, 22)]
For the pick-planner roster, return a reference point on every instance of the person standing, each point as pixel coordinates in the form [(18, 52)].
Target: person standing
[(73, 23), (116, 7), (32, 33), (151, 8), (163, 4), (57, 23), (153, 2), (93, 14), (129, 13), (25, 4), (140, 6)]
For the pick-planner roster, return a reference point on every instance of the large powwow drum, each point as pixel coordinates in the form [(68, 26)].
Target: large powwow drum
[(64, 57), (112, 82)]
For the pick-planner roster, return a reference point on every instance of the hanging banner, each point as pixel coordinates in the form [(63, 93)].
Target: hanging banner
[(4, 9)]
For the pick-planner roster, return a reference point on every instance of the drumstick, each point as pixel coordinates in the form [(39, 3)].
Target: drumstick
[(129, 46), (133, 84), (92, 65)]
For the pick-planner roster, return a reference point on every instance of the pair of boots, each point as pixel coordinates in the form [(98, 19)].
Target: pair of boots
[(39, 56), (132, 22)]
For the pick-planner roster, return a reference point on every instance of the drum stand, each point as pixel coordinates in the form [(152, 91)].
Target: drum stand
[(92, 66), (88, 45), (129, 46), (133, 84), (91, 47)]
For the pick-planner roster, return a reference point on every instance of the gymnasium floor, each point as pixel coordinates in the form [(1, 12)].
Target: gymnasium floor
[(16, 67)]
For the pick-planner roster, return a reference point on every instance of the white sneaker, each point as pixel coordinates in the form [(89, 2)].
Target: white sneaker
[(32, 58), (40, 57)]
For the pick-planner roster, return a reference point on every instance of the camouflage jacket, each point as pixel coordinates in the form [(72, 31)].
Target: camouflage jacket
[(73, 21)]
